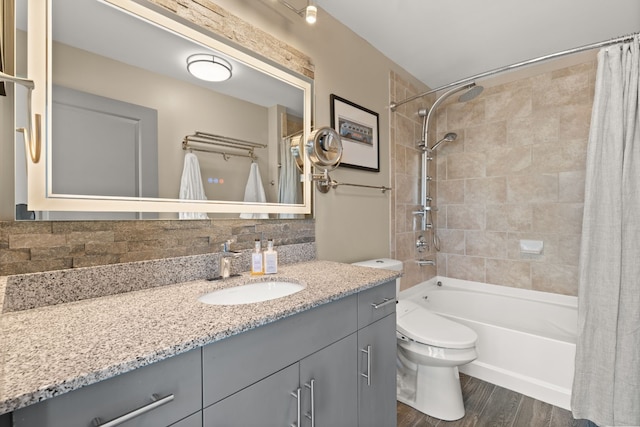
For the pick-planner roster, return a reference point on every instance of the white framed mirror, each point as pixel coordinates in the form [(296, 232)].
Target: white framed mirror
[(121, 112)]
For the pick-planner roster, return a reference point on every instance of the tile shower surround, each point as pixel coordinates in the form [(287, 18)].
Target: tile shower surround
[(516, 171)]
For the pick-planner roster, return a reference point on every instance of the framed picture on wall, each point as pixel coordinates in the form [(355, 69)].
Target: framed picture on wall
[(358, 129)]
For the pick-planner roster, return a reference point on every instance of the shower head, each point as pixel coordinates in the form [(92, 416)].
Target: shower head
[(473, 91), (447, 138), (451, 136)]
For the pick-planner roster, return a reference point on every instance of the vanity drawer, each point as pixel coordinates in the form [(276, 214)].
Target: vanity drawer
[(233, 363), (376, 303), (179, 376)]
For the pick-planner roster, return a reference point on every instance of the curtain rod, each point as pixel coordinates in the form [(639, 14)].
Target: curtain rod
[(394, 105)]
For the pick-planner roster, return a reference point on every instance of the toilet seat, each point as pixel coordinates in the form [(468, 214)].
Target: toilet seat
[(425, 327)]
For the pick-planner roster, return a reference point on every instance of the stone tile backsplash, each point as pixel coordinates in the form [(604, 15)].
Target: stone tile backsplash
[(37, 246)]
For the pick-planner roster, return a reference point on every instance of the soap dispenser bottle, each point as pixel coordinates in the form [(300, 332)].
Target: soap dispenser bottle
[(270, 259), (257, 265)]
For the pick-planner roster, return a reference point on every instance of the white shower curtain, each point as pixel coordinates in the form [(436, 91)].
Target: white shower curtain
[(289, 180), (606, 388)]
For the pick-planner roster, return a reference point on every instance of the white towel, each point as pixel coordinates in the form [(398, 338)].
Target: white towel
[(254, 192), (191, 186)]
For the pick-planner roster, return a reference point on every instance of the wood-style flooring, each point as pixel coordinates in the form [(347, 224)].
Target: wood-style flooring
[(490, 405)]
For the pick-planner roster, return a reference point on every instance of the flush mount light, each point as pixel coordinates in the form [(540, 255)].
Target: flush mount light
[(208, 67)]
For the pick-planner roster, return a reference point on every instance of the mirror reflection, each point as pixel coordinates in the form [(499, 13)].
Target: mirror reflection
[(131, 118)]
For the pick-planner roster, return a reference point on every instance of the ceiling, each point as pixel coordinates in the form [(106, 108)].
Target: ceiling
[(442, 41)]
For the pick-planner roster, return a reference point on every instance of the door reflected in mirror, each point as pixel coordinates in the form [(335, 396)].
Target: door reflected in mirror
[(124, 103)]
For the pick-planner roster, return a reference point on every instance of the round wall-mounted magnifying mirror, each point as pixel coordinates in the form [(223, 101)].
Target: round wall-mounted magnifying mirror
[(324, 148)]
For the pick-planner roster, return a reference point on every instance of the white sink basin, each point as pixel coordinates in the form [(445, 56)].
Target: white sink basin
[(253, 292)]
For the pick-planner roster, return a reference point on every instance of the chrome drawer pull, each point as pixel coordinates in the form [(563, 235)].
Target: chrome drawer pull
[(312, 415), (368, 374), (386, 301), (296, 394), (156, 401)]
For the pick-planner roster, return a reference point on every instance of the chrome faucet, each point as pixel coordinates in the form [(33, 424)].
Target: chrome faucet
[(225, 259), (226, 267)]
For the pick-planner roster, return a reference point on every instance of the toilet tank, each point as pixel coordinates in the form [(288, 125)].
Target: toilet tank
[(386, 263)]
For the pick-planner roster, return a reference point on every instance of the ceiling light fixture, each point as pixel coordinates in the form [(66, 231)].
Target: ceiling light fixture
[(208, 67), (309, 13)]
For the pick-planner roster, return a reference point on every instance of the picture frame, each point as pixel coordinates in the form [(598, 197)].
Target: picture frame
[(359, 130)]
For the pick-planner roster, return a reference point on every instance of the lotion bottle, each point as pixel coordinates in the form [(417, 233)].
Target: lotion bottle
[(270, 259), (257, 265)]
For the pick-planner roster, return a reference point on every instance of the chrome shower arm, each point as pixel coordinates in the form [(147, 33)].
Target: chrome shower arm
[(427, 120)]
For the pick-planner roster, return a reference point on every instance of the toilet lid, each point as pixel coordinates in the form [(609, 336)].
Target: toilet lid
[(426, 327)]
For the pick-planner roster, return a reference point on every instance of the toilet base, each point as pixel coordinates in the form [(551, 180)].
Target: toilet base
[(437, 393)]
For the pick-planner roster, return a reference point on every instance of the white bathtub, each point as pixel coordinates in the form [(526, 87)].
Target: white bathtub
[(526, 339)]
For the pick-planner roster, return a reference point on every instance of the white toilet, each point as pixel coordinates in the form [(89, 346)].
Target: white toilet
[(430, 349)]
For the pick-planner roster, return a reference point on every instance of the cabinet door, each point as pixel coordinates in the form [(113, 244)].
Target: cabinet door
[(268, 402), (331, 374), (377, 373)]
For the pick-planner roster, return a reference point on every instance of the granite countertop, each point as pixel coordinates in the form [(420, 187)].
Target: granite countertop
[(54, 349)]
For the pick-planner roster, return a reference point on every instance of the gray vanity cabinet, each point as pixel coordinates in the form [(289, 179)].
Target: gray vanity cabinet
[(324, 355), (332, 365), (377, 357)]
